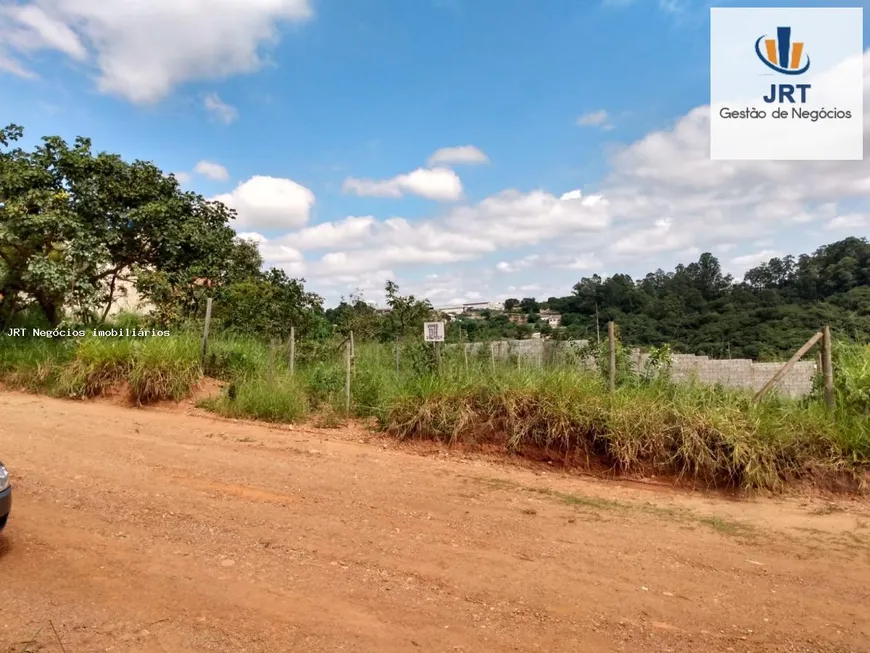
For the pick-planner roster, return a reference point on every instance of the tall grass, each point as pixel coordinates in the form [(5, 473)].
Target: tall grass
[(270, 400), (153, 368), (710, 435)]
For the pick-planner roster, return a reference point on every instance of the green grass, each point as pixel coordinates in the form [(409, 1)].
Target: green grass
[(711, 436), (154, 368), (278, 400)]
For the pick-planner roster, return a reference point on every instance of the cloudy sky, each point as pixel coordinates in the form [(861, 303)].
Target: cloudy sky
[(469, 149)]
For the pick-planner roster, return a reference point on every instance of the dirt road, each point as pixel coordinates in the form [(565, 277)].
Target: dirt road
[(169, 531)]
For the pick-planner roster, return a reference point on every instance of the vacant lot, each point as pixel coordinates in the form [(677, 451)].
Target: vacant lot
[(163, 530)]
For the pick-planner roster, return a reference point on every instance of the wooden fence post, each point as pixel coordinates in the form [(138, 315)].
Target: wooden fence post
[(438, 355), (492, 354), (828, 367), (785, 368), (397, 354), (820, 362), (205, 330), (611, 339), (272, 359), (292, 350), (348, 347)]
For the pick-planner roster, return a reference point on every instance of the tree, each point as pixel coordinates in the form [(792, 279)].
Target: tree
[(354, 314), (72, 223), (511, 304), (268, 305), (529, 305), (407, 313)]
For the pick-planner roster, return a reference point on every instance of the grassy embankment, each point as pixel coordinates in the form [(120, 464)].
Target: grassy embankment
[(713, 435)]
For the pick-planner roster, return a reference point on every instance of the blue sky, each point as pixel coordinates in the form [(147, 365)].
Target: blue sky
[(318, 121)]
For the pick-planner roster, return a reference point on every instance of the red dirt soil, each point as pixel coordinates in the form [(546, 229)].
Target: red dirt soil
[(168, 530)]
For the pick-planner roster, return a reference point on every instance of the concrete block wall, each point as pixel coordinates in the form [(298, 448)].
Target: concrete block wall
[(735, 373)]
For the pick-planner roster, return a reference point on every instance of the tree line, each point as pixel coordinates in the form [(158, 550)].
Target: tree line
[(698, 309)]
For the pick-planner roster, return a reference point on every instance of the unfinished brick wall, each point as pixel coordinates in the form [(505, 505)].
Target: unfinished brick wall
[(734, 373)]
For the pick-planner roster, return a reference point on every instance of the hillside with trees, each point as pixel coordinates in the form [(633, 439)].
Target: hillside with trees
[(699, 309)]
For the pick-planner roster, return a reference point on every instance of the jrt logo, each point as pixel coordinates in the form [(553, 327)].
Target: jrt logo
[(786, 58)]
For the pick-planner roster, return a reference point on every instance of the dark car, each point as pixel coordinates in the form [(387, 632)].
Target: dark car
[(5, 496)]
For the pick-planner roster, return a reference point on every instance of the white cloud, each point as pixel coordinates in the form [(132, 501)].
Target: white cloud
[(13, 67), (848, 221), (659, 238), (29, 28), (545, 261), (371, 282), (440, 184), (663, 201), (450, 289), (519, 264), (666, 195), (462, 154), (335, 234), (182, 177), (220, 110), (142, 50), (211, 170), (740, 265), (585, 262), (598, 118), (269, 203), (361, 245), (252, 235)]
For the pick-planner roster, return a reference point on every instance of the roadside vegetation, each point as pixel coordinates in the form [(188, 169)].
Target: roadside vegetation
[(562, 412), (78, 227)]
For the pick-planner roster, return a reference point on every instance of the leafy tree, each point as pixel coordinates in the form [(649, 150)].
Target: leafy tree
[(354, 314), (511, 304), (269, 305), (529, 305), (407, 313), (72, 223)]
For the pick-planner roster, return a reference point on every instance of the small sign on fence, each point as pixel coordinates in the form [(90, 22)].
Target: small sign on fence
[(433, 331)]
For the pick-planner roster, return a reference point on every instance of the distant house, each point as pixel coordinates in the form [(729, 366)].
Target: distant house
[(551, 318)]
